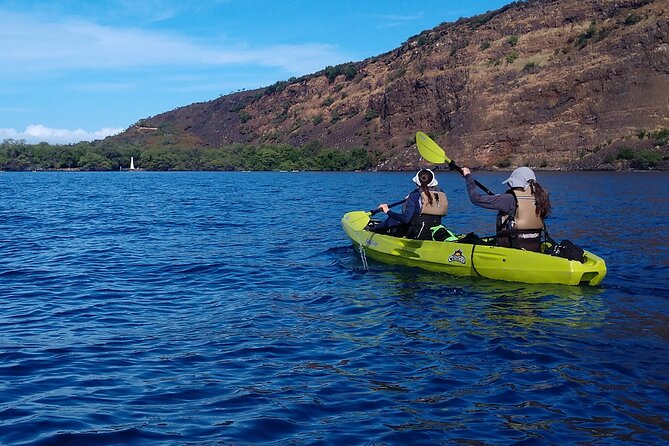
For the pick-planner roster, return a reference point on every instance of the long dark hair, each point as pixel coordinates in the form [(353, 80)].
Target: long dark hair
[(543, 203), (425, 177)]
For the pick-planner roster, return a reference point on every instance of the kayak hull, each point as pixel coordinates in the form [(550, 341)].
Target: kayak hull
[(463, 259)]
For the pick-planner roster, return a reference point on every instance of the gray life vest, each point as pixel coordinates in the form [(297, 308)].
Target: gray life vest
[(429, 215), (439, 204), (525, 217), (522, 228)]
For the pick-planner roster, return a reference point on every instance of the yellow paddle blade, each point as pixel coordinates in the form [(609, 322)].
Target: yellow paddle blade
[(430, 150), (357, 220)]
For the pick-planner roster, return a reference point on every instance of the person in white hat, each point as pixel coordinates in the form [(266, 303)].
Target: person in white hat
[(521, 209), (421, 211)]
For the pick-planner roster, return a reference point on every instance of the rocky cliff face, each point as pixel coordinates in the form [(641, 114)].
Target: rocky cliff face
[(544, 83)]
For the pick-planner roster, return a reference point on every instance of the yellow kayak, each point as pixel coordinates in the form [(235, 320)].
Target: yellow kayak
[(464, 259)]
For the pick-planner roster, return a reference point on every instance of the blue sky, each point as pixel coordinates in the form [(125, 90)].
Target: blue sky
[(76, 70)]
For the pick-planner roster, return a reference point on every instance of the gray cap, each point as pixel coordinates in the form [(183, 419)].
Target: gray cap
[(520, 177)]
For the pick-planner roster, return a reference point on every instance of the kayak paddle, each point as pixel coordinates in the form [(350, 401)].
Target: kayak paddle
[(431, 151), (359, 219)]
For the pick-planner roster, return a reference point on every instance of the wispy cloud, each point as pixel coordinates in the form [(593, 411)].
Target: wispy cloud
[(151, 10), (37, 133), (389, 21), (30, 44), (105, 86), (21, 110)]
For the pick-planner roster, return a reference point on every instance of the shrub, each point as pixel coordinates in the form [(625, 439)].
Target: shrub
[(582, 39), (481, 19), (278, 87), (504, 163), (660, 136), (646, 159), (348, 70), (371, 114), (631, 19), (590, 34), (458, 45), (625, 154), (530, 66), (513, 40), (511, 57), (397, 74), (279, 117)]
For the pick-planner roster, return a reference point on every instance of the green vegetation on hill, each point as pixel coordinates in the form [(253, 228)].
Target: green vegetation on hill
[(17, 155)]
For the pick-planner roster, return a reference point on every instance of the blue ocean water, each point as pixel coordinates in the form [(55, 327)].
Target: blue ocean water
[(230, 308)]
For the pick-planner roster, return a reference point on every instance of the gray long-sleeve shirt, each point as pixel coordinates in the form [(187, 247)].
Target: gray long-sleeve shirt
[(500, 202)]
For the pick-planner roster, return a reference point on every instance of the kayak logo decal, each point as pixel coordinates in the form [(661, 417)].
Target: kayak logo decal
[(457, 257)]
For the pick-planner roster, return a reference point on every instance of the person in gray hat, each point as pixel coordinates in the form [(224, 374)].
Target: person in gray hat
[(521, 209)]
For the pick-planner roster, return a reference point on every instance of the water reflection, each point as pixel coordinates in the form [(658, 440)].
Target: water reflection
[(462, 352), (502, 305)]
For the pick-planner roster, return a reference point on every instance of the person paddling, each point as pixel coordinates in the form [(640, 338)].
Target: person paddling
[(522, 209), (421, 211)]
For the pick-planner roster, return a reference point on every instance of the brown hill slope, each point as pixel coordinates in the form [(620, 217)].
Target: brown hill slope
[(555, 84)]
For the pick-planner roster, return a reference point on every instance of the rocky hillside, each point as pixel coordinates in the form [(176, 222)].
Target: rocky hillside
[(550, 84)]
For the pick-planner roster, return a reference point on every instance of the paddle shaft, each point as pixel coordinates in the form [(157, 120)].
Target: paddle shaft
[(359, 219), (377, 210), (431, 151), (454, 166)]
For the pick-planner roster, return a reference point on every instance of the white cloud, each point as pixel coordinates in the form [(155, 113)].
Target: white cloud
[(28, 44), (36, 133)]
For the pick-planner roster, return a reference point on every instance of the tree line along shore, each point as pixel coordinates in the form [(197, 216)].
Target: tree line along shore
[(651, 152), (17, 155)]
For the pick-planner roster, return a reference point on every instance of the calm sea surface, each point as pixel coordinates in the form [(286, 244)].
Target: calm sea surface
[(230, 309)]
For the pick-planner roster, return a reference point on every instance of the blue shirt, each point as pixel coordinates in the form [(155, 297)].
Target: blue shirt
[(410, 208)]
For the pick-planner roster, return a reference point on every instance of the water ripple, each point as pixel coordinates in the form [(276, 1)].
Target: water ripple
[(170, 310)]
